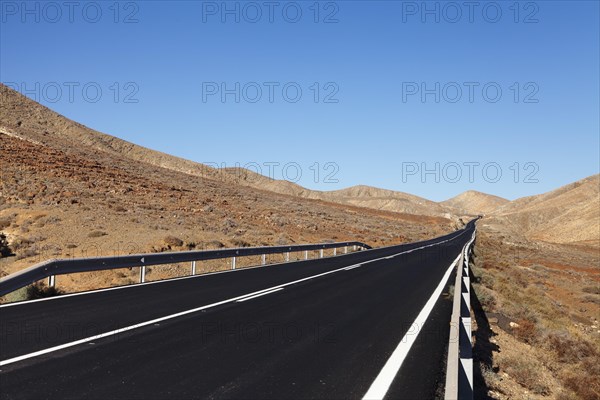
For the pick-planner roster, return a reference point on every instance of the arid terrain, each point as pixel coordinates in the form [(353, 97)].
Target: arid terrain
[(69, 191)]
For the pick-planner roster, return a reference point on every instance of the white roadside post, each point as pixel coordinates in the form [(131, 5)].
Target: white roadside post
[(232, 262), (52, 280), (263, 259), (306, 254), (335, 251), (193, 267), (345, 249), (321, 253), (287, 256), (142, 274)]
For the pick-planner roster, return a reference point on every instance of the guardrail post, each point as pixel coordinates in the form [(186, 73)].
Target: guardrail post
[(263, 259), (52, 280), (193, 267), (232, 262), (306, 254), (142, 274)]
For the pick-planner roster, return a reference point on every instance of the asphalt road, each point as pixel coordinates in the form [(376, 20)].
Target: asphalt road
[(310, 329)]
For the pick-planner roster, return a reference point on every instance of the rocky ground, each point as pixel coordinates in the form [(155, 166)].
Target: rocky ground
[(74, 203)]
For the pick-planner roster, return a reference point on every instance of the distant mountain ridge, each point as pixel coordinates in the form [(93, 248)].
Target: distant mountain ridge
[(568, 214)]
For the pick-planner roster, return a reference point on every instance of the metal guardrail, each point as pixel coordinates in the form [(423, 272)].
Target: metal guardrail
[(49, 269), (459, 368)]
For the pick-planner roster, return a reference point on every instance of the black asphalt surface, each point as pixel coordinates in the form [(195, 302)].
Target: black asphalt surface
[(326, 337)]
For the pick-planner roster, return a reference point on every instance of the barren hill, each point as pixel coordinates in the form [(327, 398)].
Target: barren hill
[(382, 199), (360, 196), (474, 202), (67, 190), (570, 214), (32, 121)]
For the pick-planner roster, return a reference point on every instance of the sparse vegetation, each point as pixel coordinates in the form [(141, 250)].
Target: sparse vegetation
[(591, 289), (526, 371), (5, 250), (39, 291), (97, 234), (536, 351), (172, 241)]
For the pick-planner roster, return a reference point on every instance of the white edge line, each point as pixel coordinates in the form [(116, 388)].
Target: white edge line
[(182, 313), (258, 295), (386, 376)]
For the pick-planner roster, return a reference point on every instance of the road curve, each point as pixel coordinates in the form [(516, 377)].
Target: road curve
[(311, 329)]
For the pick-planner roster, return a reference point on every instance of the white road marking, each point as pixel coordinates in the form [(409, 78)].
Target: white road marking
[(386, 376), (353, 266), (132, 286), (182, 313), (260, 294)]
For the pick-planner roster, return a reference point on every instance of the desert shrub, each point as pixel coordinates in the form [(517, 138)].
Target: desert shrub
[(20, 243), (214, 244), (569, 349), (591, 289), (26, 253), (526, 331), (240, 243), (591, 299), (585, 385), (51, 220), (97, 234), (4, 248), (39, 291), (172, 241), (527, 374)]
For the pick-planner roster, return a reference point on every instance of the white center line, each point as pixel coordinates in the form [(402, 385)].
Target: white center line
[(193, 310), (260, 294)]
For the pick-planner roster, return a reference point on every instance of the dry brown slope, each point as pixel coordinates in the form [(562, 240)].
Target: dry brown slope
[(568, 214), (59, 204), (40, 124)]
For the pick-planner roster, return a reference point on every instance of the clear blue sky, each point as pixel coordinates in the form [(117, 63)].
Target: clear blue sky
[(371, 60)]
